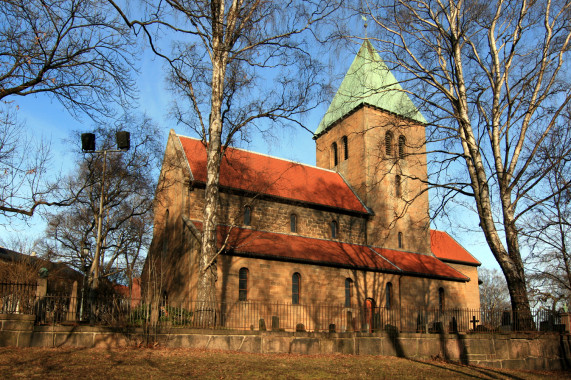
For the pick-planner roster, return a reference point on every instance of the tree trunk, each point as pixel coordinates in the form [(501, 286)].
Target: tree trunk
[(510, 260), (515, 275), (206, 296)]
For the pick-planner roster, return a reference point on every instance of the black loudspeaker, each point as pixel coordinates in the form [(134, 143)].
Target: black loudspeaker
[(87, 142), (123, 140)]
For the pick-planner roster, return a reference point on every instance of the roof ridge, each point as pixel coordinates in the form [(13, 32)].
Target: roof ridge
[(268, 155), (370, 211), (383, 257), (181, 148)]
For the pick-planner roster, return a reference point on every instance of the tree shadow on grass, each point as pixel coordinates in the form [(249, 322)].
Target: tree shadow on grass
[(460, 369)]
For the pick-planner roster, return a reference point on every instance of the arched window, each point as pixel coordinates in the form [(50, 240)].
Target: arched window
[(398, 186), (293, 223), (402, 144), (334, 229), (334, 155), (348, 291), (441, 300), (295, 288), (247, 215), (388, 295), (400, 239), (389, 143), (345, 148), (243, 284)]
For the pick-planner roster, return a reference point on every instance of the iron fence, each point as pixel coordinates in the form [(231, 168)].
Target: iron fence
[(17, 298), (114, 310)]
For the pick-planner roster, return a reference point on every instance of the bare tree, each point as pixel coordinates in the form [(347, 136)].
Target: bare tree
[(127, 208), (19, 263), (491, 78), (547, 229), (73, 50), (232, 65), (22, 163), (494, 295)]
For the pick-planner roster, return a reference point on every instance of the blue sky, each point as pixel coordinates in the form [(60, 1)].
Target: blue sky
[(48, 119)]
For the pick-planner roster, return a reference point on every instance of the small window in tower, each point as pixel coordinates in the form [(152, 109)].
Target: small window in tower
[(166, 233), (345, 148), (400, 239), (293, 223), (247, 215), (334, 156), (388, 295), (334, 229), (295, 288), (389, 143), (441, 300), (402, 144), (243, 284), (398, 186), (348, 291)]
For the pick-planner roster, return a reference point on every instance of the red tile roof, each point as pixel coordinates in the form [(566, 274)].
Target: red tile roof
[(416, 263), (259, 173), (275, 246), (447, 249)]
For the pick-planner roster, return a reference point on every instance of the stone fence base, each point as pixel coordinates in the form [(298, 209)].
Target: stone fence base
[(537, 351)]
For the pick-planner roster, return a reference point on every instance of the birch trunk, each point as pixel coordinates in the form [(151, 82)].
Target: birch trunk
[(208, 265)]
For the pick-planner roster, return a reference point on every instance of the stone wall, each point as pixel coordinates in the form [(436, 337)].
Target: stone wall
[(547, 351)]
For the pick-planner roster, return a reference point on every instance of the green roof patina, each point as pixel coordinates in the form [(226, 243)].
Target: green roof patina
[(369, 81)]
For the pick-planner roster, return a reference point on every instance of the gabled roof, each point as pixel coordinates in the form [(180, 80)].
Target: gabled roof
[(447, 249), (369, 81), (257, 173), (276, 246)]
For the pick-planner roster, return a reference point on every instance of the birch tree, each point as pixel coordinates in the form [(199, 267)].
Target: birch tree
[(232, 65), (492, 79)]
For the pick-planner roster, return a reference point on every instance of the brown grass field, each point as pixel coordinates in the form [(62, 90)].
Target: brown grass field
[(162, 363)]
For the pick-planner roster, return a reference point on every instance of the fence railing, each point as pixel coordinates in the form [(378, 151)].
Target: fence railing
[(17, 298), (249, 315)]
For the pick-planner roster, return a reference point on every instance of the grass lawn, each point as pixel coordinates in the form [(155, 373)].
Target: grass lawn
[(161, 363)]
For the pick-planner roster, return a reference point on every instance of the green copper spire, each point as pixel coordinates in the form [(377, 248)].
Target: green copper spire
[(369, 81)]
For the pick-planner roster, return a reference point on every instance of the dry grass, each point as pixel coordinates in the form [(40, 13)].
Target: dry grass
[(161, 363)]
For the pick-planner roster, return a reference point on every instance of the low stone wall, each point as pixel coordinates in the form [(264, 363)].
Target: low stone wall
[(548, 351)]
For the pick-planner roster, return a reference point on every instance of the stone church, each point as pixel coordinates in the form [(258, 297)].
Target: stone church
[(352, 231)]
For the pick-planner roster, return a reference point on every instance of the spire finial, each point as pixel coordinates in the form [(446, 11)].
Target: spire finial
[(365, 20)]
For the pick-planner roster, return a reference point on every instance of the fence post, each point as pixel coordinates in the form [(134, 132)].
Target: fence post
[(42, 288), (566, 319), (71, 316)]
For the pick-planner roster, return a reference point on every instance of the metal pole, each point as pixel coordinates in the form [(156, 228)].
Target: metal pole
[(95, 265)]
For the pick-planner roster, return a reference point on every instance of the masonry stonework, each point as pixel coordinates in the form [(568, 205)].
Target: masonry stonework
[(372, 174), (513, 351)]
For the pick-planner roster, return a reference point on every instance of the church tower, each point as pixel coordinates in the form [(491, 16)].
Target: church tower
[(374, 136)]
